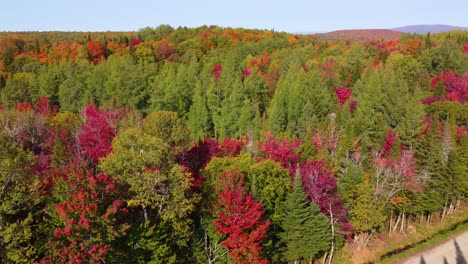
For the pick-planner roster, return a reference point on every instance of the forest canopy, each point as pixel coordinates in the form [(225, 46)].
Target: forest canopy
[(222, 145)]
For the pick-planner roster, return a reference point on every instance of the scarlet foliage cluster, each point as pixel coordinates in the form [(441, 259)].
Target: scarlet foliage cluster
[(88, 218), (352, 106), (135, 42), (395, 172), (231, 147), (342, 94), (217, 69), (283, 151), (319, 141), (388, 144), (456, 88), (97, 132), (240, 220), (23, 107), (44, 108), (246, 71), (390, 46), (260, 63), (320, 188), (197, 157)]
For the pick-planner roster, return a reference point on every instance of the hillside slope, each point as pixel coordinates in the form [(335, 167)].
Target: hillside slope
[(422, 29), (360, 34)]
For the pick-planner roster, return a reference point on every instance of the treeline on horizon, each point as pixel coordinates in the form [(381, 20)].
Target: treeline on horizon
[(221, 145)]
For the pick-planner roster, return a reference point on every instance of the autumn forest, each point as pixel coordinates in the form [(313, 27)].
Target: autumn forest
[(221, 145)]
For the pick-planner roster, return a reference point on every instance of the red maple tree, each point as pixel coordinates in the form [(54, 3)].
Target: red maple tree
[(284, 151), (454, 88), (90, 217), (240, 220), (97, 132)]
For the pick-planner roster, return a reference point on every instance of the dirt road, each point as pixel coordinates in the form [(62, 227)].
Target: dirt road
[(454, 251)]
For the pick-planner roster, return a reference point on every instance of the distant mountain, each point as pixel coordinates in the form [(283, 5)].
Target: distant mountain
[(360, 34), (423, 29)]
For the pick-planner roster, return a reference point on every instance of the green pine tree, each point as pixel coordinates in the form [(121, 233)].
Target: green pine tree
[(306, 230), (431, 166), (198, 116), (366, 215)]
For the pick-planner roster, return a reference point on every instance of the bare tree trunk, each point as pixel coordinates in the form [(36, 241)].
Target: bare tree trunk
[(397, 222), (362, 239), (332, 222), (452, 208), (145, 213), (444, 212), (408, 220), (402, 225), (390, 224), (211, 249), (325, 258)]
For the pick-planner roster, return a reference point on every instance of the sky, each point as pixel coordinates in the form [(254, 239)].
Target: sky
[(285, 15)]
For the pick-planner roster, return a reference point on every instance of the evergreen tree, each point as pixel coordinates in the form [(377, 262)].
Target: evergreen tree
[(396, 94), (72, 89), (345, 148), (198, 116), (278, 119), (128, 82), (306, 231), (300, 102), (49, 80), (455, 157), (366, 215), (411, 123), (18, 88), (428, 41), (431, 166), (173, 89), (228, 124), (369, 115)]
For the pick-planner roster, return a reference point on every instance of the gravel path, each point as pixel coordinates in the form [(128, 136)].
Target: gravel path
[(454, 251)]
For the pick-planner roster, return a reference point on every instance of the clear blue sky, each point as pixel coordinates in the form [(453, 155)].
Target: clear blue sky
[(282, 15)]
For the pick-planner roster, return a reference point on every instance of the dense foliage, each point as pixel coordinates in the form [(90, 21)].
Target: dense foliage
[(221, 145)]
